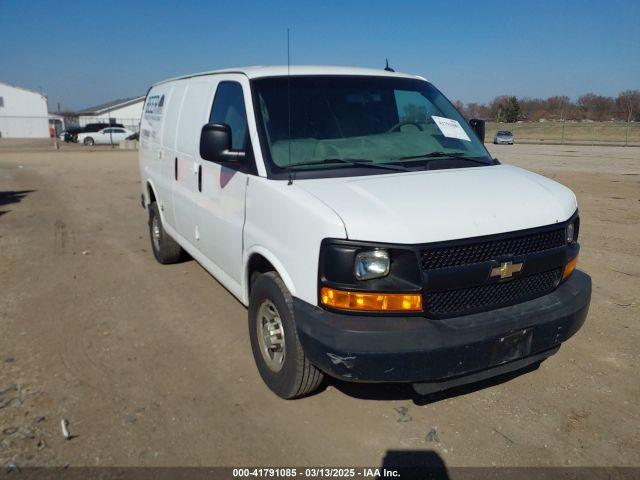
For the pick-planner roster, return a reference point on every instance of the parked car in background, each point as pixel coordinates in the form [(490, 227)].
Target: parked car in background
[(74, 131), (70, 133), (106, 136), (503, 137), (96, 127)]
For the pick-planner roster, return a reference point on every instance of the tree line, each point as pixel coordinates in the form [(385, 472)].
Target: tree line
[(505, 108)]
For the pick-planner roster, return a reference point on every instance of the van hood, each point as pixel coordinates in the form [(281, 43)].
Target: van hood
[(438, 205)]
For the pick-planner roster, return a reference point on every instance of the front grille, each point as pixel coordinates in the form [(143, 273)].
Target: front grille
[(494, 295), (482, 251)]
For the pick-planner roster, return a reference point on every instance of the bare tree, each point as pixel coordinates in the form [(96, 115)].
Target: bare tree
[(590, 106), (596, 107), (629, 102), (460, 107), (473, 110)]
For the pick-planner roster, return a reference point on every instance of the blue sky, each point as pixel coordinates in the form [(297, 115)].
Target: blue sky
[(82, 53)]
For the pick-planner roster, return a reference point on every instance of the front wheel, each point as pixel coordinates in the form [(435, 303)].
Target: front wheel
[(274, 340), (89, 142)]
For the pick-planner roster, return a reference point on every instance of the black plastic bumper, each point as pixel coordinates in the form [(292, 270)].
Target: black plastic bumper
[(416, 349)]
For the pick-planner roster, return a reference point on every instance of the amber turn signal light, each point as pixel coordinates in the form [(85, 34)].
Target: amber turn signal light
[(366, 301), (570, 267)]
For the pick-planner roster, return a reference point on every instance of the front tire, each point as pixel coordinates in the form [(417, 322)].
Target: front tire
[(276, 347), (89, 142), (165, 249)]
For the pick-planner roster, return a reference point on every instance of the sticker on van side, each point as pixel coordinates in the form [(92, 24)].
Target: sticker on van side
[(450, 128), (154, 106)]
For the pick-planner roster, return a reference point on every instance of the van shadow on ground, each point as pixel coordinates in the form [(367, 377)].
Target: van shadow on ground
[(12, 196), (404, 391), (414, 464)]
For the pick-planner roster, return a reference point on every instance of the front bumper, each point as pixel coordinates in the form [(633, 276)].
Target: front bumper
[(416, 349)]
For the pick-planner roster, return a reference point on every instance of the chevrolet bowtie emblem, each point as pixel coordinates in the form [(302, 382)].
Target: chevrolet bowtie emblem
[(506, 269)]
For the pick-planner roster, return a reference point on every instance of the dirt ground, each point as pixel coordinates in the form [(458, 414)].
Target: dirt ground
[(151, 364)]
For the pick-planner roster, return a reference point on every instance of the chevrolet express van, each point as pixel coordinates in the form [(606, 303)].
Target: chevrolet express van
[(363, 223)]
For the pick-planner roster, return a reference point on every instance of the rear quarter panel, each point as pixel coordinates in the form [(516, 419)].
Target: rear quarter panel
[(157, 143)]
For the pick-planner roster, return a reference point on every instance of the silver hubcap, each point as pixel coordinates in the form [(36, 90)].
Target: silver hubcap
[(155, 233), (270, 335)]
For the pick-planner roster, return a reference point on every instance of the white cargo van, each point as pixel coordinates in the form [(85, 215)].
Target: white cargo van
[(363, 223)]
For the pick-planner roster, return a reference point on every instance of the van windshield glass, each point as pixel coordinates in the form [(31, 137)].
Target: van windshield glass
[(382, 120)]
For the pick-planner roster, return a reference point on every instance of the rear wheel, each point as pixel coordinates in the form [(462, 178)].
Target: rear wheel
[(165, 249), (274, 340)]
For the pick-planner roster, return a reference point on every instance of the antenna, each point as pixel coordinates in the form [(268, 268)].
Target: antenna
[(387, 67), (289, 104)]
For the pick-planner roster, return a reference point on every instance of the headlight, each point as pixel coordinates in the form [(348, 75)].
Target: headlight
[(371, 264)]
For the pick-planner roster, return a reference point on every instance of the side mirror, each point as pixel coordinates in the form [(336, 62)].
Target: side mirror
[(215, 144), (477, 126)]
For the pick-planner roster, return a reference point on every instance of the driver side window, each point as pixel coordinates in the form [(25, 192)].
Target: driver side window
[(228, 107)]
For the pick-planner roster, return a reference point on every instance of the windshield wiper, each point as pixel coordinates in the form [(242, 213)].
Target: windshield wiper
[(435, 155), (348, 161)]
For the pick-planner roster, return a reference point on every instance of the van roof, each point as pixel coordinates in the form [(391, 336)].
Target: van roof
[(297, 70)]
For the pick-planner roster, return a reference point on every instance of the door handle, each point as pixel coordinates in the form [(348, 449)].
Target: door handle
[(199, 178), (175, 168)]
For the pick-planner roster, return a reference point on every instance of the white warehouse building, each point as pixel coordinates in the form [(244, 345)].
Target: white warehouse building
[(23, 113), (126, 111)]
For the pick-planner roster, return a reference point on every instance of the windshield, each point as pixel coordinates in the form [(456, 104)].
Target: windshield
[(382, 120)]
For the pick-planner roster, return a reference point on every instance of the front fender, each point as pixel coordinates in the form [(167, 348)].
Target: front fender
[(273, 260)]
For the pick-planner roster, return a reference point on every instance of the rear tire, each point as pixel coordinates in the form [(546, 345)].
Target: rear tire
[(276, 347), (165, 249), (89, 142)]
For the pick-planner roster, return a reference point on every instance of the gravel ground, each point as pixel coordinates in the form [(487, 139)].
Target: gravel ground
[(151, 364)]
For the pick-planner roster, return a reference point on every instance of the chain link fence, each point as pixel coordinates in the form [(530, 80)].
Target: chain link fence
[(547, 132), (569, 132), (29, 126), (44, 133)]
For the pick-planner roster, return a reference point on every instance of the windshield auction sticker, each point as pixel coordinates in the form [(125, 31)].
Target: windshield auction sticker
[(450, 128)]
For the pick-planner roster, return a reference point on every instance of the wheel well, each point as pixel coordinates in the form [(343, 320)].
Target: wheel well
[(257, 265), (150, 194)]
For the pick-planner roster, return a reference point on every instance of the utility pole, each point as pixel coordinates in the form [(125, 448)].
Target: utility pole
[(110, 130)]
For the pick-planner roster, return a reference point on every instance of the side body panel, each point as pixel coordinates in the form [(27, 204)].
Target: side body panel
[(221, 202), (192, 117), (167, 148), (286, 225), (159, 118)]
